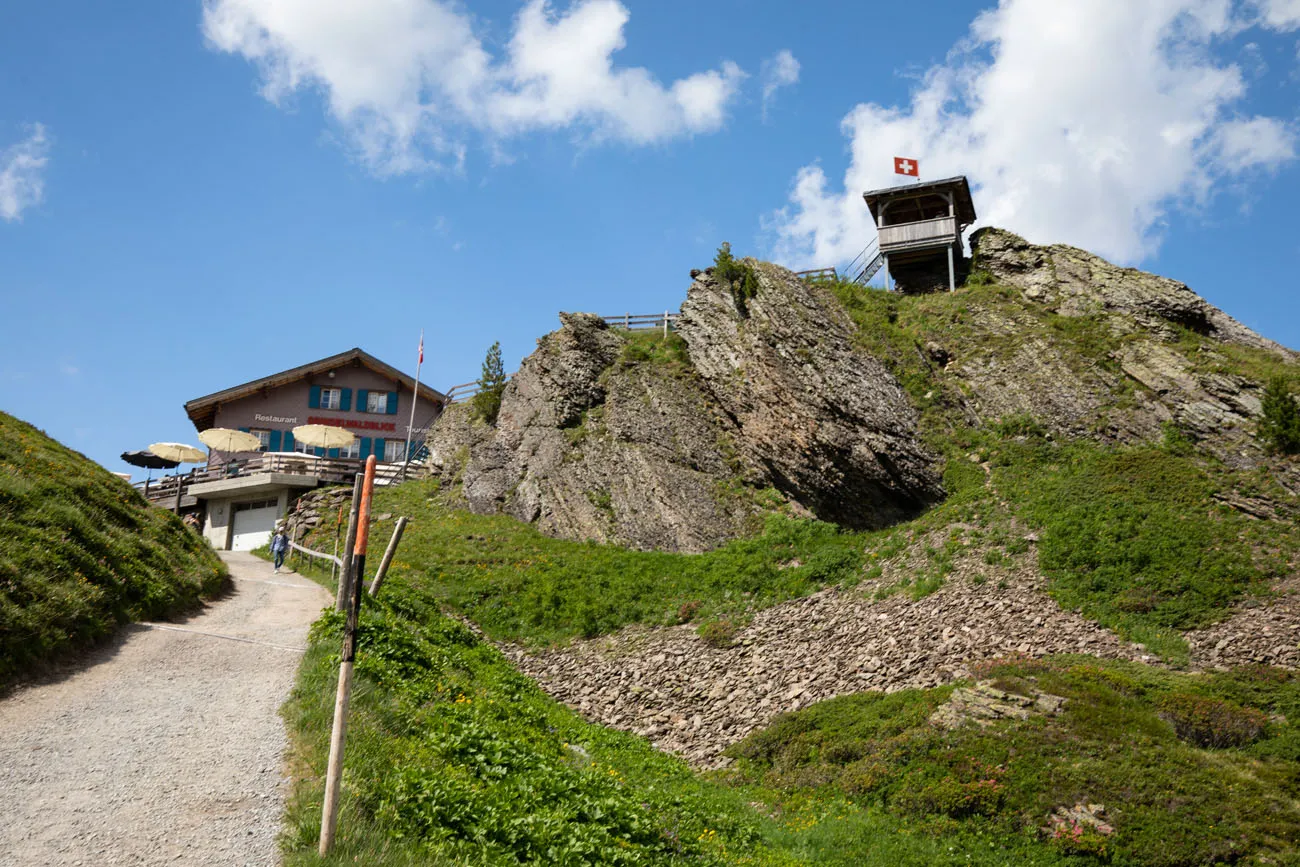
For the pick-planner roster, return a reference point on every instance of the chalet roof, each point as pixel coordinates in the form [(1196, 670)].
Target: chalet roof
[(957, 186), (203, 410)]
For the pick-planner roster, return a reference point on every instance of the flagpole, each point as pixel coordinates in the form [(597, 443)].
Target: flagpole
[(415, 396)]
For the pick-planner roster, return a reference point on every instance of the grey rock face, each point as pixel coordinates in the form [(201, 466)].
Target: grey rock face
[(1148, 381), (592, 445), (1074, 282), (831, 426)]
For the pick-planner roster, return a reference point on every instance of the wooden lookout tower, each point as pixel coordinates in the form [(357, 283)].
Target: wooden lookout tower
[(919, 228)]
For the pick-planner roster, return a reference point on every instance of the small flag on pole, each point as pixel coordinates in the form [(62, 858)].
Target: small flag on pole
[(421, 361), (904, 166)]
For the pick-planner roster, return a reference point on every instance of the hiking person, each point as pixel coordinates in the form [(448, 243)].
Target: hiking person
[(279, 546)]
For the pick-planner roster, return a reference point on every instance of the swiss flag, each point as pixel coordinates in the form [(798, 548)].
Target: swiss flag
[(904, 166), (421, 361)]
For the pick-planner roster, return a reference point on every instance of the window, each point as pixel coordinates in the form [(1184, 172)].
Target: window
[(351, 451), (394, 450), (259, 504), (304, 448), (331, 398), (377, 401), (264, 436)]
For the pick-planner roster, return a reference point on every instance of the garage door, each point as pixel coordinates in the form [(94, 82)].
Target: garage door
[(254, 523)]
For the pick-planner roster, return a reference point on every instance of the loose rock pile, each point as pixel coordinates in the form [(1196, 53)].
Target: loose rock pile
[(1267, 633), (695, 700)]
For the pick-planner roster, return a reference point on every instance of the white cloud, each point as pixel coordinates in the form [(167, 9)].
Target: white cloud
[(21, 166), (409, 80), (1080, 121), (780, 70), (1280, 14)]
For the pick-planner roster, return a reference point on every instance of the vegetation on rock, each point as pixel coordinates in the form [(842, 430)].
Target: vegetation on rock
[(491, 385), (735, 274), (1279, 428), (81, 553)]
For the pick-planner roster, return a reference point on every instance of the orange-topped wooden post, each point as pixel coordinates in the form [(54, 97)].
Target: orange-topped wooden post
[(334, 774)]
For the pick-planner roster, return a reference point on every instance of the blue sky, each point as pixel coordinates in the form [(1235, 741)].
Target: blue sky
[(193, 194)]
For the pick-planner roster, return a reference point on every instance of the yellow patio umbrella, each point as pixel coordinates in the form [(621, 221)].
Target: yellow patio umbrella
[(224, 439), (323, 436), (181, 454)]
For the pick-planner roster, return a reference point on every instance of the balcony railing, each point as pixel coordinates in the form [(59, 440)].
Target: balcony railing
[(925, 233), (326, 470)]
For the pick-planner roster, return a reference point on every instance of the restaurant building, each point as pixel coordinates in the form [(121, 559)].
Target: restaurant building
[(242, 495)]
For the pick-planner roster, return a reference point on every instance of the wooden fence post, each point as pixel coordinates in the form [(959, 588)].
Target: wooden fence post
[(338, 735), (388, 556), (340, 600)]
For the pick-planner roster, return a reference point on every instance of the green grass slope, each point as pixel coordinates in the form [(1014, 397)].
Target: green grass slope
[(81, 552), (453, 757), (1190, 769)]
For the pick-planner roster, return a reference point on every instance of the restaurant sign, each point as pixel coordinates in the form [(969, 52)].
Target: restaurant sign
[(355, 424), (275, 419)]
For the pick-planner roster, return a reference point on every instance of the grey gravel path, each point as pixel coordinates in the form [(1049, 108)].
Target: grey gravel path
[(164, 747)]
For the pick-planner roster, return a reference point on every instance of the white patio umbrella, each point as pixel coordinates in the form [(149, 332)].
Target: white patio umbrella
[(323, 436), (181, 454), (224, 439)]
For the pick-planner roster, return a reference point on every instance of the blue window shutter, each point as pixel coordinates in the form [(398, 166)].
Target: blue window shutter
[(288, 441), (378, 449), (320, 452), (345, 402), (334, 453), (275, 441), (313, 398), (362, 396), (392, 403), (365, 445)]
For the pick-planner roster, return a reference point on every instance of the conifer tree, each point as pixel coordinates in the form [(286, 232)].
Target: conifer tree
[(491, 385)]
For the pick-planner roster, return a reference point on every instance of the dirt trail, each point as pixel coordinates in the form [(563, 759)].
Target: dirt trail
[(164, 747)]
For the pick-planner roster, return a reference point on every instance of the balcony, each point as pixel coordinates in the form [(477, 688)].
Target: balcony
[(938, 232), (271, 469)]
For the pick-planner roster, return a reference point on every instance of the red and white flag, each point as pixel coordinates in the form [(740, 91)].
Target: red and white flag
[(421, 361), (904, 166)]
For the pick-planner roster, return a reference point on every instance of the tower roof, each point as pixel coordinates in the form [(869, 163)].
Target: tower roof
[(956, 186)]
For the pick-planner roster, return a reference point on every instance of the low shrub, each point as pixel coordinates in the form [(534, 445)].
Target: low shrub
[(1212, 722), (719, 633), (949, 796)]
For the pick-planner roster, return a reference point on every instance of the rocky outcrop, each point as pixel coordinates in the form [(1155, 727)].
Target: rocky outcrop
[(984, 704), (774, 408), (589, 445), (1136, 375), (832, 427), (1075, 282)]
